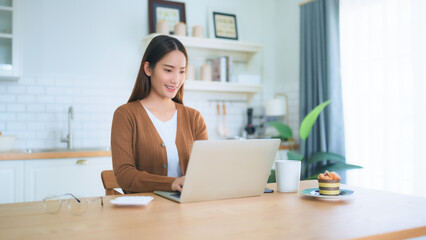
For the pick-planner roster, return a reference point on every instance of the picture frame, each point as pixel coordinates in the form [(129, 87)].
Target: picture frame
[(224, 25), (171, 12)]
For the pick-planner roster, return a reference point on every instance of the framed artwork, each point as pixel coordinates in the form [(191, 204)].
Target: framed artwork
[(225, 25), (171, 12)]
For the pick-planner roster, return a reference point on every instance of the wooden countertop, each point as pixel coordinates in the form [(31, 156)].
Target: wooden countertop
[(21, 155), (370, 214), (287, 146)]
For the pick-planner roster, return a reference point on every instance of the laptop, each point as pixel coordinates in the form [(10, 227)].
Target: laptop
[(222, 169)]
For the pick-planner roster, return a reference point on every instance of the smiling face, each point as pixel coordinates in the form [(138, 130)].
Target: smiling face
[(168, 75)]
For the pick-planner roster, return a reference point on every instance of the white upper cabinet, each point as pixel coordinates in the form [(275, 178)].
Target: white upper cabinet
[(9, 39)]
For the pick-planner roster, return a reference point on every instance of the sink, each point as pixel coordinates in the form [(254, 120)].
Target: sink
[(48, 150)]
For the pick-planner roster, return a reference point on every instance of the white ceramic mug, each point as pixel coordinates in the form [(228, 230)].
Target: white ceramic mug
[(287, 173)]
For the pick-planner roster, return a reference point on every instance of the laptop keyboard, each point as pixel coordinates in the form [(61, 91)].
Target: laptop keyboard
[(176, 195)]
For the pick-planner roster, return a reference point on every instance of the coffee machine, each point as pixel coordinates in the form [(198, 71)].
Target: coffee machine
[(250, 129)]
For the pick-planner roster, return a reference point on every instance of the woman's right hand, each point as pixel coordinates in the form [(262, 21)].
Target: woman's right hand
[(177, 184)]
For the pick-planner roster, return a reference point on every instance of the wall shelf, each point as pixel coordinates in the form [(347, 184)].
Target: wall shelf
[(208, 48), (225, 87), (211, 48)]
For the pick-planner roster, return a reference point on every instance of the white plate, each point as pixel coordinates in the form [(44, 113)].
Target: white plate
[(132, 200), (314, 192)]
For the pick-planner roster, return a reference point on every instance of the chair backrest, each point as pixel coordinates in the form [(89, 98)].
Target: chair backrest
[(108, 179)]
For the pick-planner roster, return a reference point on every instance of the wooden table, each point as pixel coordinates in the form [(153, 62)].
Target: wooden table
[(370, 214)]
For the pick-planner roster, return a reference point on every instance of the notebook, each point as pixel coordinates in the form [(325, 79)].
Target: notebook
[(222, 169)]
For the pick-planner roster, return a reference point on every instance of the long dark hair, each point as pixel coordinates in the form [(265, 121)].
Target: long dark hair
[(156, 50)]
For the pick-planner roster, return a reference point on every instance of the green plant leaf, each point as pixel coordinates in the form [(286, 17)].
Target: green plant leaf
[(294, 156), (283, 129), (271, 178), (313, 177), (337, 167), (309, 121), (322, 156)]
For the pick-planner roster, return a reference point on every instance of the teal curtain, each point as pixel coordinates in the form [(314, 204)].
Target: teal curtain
[(320, 75)]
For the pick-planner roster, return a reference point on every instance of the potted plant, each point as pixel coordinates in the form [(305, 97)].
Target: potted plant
[(318, 162)]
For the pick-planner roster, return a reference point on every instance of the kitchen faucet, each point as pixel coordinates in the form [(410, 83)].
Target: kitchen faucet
[(69, 139)]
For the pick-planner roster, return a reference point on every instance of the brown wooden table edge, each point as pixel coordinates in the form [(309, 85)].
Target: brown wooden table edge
[(402, 234), (50, 155)]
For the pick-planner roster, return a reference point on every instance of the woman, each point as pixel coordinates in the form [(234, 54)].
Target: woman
[(152, 135)]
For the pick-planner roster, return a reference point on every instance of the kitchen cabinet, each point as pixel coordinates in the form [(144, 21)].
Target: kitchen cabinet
[(11, 181), (32, 180), (80, 176), (206, 49), (9, 39)]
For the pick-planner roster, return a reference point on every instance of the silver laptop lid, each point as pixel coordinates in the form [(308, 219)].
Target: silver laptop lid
[(220, 169)]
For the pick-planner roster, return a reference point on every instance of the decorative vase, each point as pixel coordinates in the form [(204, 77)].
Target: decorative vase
[(206, 72), (180, 29), (162, 27), (198, 31)]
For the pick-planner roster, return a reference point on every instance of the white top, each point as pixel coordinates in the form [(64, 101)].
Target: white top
[(167, 131)]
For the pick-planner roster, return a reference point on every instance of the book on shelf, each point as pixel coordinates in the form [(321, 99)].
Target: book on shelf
[(222, 69)]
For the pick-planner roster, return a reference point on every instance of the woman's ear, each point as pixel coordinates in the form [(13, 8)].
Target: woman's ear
[(147, 69)]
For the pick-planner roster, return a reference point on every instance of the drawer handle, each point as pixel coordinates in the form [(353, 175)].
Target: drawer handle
[(82, 162)]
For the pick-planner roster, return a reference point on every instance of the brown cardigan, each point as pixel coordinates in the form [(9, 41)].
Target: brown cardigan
[(138, 154)]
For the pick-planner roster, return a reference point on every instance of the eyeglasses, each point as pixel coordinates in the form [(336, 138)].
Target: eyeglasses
[(53, 203)]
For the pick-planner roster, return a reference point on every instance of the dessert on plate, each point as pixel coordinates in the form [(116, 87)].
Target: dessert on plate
[(329, 183)]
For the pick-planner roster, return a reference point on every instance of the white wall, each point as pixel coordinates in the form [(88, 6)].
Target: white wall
[(287, 57), (87, 54)]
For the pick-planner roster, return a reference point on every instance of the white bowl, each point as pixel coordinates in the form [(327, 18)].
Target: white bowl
[(6, 142)]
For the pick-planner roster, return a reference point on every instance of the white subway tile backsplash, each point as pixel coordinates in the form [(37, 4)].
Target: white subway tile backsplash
[(25, 116), (64, 82), (56, 108), (15, 89), (45, 81), (16, 126), (86, 82), (83, 117), (72, 91), (93, 142), (35, 90), (27, 81), (40, 107), (64, 99), (57, 91), (26, 99), (36, 144), (35, 107), (45, 116), (2, 126), (20, 143), (50, 134), (36, 125), (7, 98), (7, 116), (45, 99), (15, 107), (25, 135)]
